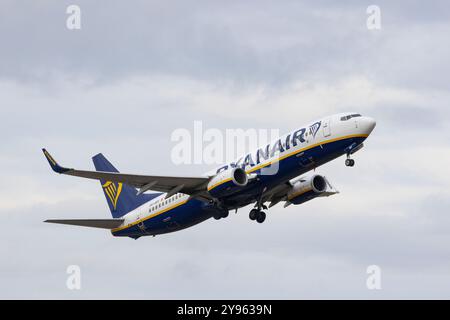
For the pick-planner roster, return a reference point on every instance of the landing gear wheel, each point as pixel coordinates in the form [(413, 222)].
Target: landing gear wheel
[(261, 217), (253, 214), (221, 214), (349, 162)]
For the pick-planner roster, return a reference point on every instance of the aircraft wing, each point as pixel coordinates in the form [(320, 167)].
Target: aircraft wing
[(93, 223), (189, 185), (277, 194)]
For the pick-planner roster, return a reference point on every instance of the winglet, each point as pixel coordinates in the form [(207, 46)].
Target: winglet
[(53, 164)]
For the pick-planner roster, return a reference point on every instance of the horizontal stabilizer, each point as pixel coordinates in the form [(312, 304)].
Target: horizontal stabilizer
[(93, 223)]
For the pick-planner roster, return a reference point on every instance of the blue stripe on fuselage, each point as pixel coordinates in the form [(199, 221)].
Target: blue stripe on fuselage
[(195, 211)]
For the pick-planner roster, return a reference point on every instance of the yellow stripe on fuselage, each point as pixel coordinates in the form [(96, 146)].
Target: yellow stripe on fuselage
[(291, 154), (150, 216), (248, 171)]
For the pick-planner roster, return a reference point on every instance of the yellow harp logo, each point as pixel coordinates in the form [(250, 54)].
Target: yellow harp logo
[(112, 190)]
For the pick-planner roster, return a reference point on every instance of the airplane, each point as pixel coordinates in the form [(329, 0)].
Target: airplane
[(271, 174)]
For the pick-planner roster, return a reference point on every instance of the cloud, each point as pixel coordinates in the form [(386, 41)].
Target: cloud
[(135, 73)]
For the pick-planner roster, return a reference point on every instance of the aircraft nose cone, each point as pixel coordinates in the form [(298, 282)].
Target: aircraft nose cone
[(368, 124)]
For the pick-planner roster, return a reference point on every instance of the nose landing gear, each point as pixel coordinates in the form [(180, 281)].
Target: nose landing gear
[(349, 162), (351, 150)]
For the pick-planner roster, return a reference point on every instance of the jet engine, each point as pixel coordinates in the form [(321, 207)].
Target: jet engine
[(305, 189), (227, 182)]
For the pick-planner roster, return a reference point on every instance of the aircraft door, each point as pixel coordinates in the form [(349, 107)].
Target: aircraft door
[(326, 128)]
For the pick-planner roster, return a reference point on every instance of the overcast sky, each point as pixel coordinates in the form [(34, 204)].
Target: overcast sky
[(138, 70)]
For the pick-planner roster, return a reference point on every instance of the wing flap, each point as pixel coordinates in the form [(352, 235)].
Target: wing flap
[(93, 223)]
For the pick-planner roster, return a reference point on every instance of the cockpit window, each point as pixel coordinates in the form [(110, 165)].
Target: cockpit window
[(345, 118)]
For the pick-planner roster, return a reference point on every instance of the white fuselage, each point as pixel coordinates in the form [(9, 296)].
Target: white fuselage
[(331, 128)]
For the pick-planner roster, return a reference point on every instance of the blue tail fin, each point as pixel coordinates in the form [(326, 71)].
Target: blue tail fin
[(121, 198)]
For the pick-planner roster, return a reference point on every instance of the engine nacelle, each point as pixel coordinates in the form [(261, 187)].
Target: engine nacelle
[(227, 182), (306, 189)]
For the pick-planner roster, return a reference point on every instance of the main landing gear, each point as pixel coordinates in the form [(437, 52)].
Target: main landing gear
[(221, 214), (257, 215)]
